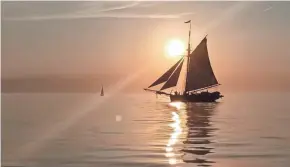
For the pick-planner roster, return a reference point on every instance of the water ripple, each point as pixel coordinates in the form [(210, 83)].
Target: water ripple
[(153, 133)]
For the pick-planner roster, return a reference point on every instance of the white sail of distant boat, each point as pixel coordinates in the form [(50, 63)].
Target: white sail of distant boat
[(102, 91)]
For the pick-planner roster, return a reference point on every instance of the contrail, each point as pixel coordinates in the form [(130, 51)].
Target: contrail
[(95, 16), (131, 5), (94, 12), (267, 9)]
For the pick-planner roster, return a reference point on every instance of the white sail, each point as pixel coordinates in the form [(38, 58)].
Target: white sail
[(102, 91)]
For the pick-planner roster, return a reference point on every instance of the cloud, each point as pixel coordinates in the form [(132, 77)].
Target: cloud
[(101, 15), (267, 9), (95, 7), (94, 12), (121, 7)]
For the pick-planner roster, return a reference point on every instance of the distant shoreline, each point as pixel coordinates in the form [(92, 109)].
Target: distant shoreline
[(58, 84), (92, 84)]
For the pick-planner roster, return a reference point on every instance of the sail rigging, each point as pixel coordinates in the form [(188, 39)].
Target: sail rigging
[(173, 79), (199, 72), (166, 75)]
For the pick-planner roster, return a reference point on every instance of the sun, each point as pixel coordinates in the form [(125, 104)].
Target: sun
[(175, 48)]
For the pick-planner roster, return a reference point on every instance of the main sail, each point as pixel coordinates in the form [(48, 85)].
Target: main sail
[(199, 73), (166, 75)]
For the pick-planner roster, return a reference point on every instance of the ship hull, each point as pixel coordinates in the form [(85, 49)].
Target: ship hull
[(197, 97)]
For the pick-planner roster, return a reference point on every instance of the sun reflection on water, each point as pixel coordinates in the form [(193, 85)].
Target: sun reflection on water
[(177, 130), (177, 105)]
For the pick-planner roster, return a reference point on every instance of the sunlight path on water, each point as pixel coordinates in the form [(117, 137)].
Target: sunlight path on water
[(177, 131), (31, 148)]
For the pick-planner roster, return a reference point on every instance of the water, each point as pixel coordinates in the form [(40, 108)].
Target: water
[(83, 130)]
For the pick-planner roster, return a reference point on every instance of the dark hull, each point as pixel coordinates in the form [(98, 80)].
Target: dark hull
[(198, 97)]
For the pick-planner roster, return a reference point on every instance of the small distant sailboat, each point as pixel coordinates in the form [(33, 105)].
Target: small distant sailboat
[(102, 91), (199, 76)]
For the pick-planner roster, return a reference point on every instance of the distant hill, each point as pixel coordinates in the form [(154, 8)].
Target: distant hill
[(92, 83), (57, 83)]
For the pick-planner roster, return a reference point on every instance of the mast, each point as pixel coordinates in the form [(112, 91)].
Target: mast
[(188, 53)]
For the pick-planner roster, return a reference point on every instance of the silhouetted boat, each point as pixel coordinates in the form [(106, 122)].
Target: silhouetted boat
[(199, 76), (102, 91)]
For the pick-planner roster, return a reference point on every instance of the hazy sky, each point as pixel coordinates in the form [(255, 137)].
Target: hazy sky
[(244, 38)]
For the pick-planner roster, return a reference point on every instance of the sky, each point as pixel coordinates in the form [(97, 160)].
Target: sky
[(246, 40)]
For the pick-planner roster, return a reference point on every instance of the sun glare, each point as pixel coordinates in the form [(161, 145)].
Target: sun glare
[(175, 48)]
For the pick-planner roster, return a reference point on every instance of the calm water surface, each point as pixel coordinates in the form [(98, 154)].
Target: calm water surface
[(84, 130)]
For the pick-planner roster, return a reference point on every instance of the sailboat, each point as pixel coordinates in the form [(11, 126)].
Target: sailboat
[(199, 76), (102, 91)]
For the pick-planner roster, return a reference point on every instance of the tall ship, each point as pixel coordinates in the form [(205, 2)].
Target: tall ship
[(199, 76)]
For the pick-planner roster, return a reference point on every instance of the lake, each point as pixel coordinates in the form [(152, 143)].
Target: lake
[(83, 130)]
